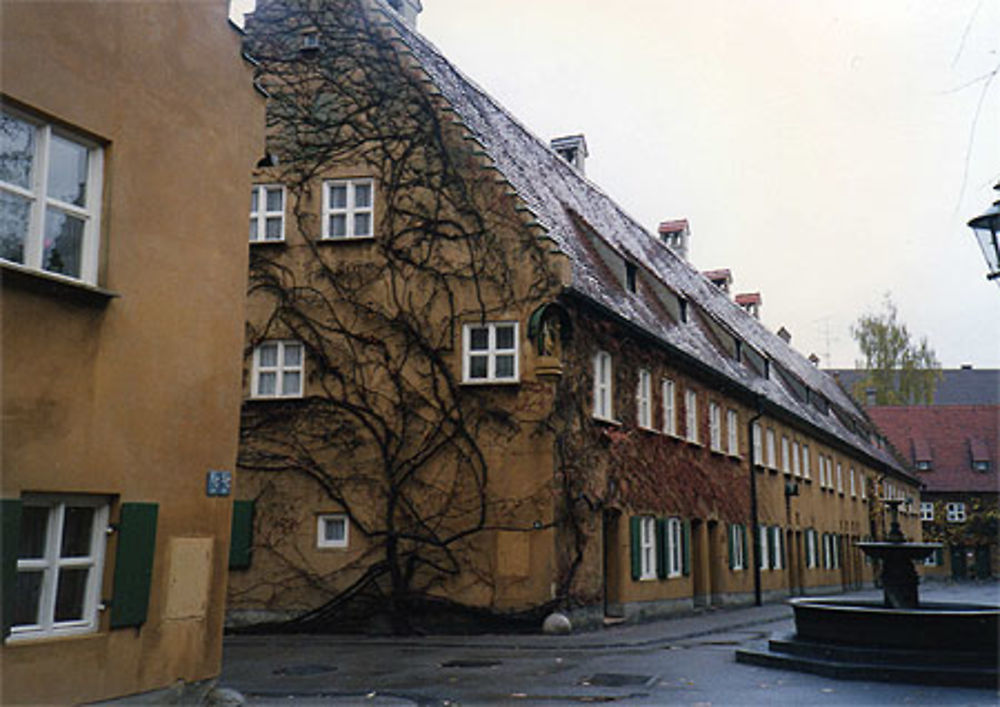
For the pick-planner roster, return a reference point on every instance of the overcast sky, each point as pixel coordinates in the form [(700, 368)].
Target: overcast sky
[(823, 151)]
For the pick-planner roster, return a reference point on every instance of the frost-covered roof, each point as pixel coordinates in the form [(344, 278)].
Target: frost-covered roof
[(561, 198)]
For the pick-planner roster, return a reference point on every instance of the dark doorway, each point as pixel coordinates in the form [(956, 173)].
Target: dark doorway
[(959, 567), (610, 522)]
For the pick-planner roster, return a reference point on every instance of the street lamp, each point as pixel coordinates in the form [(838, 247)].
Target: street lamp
[(987, 227)]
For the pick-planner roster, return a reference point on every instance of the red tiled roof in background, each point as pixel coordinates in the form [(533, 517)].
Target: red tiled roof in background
[(953, 434), (671, 226), (748, 298)]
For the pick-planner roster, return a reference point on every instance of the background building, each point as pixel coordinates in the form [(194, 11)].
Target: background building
[(128, 132), (952, 445)]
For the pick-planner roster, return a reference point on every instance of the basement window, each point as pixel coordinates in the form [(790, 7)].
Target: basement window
[(331, 530)]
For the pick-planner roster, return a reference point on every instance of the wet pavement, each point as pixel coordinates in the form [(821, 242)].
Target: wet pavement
[(686, 661)]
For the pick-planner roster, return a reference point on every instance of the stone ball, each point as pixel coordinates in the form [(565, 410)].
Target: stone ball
[(557, 623)]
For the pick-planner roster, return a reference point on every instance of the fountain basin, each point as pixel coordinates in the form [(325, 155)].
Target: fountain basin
[(931, 626)]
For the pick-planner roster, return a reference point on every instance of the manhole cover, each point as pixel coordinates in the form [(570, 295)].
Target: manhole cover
[(304, 669), (470, 664), (617, 680)]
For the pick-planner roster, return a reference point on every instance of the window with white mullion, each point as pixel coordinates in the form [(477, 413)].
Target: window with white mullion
[(691, 415), (732, 433), (669, 407), (715, 427), (278, 368), (786, 459), (643, 403), (603, 408), (50, 192), (806, 471), (674, 547), (490, 353), (772, 461), (348, 208), (267, 213), (647, 546), (796, 460)]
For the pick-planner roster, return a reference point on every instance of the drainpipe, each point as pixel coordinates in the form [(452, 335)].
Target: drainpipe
[(754, 526)]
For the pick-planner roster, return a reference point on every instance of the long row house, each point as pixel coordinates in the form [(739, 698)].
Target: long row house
[(475, 384)]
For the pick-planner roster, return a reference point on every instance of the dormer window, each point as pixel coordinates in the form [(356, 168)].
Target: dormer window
[(923, 465), (309, 40), (980, 455), (684, 309), (572, 148), (981, 465), (631, 276)]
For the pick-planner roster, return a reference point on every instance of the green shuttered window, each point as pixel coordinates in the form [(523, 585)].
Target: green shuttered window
[(241, 539)]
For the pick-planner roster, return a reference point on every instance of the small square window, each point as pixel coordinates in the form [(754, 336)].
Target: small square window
[(491, 354), (278, 369), (267, 213), (331, 530), (348, 208), (955, 512), (926, 511)]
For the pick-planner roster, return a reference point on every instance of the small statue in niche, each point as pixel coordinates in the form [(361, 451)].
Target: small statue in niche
[(549, 337)]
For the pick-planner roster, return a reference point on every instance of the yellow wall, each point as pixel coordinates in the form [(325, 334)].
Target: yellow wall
[(136, 398)]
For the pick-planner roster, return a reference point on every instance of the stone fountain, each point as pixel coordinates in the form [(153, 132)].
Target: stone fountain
[(898, 639)]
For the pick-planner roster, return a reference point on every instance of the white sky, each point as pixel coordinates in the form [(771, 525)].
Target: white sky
[(819, 149)]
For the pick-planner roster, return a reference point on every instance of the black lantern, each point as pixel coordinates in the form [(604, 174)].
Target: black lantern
[(986, 227)]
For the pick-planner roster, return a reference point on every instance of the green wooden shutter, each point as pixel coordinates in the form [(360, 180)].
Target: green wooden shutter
[(634, 540), (661, 548), (781, 548), (134, 564), (770, 546), (730, 542), (686, 549), (241, 537), (10, 530), (743, 540)]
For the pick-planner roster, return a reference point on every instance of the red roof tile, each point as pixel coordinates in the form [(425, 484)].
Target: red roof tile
[(953, 436)]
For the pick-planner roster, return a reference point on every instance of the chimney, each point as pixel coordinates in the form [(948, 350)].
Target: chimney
[(676, 234), (785, 335), (814, 359), (572, 148), (408, 10), (750, 301), (721, 278)]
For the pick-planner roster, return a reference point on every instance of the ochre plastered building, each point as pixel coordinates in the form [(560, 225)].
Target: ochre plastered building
[(129, 130), (590, 407)]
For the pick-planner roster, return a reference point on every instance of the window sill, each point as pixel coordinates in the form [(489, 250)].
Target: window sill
[(717, 452), (606, 421), (474, 383), (734, 457), (693, 443), (648, 430), (346, 239), (44, 283), (280, 241)]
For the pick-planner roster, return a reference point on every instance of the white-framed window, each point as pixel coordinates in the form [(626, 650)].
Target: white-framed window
[(829, 551), (674, 547), (955, 512), (60, 563), (864, 486), (50, 198), (763, 558), (786, 455), (806, 470), (758, 444), (732, 433), (332, 530), (647, 547), (737, 541), (853, 486), (772, 461), (840, 478), (691, 415), (349, 208), (811, 557), (490, 352), (669, 407), (927, 510), (643, 400), (267, 213), (602, 386), (715, 426), (923, 465), (931, 560), (835, 547), (278, 368), (777, 543)]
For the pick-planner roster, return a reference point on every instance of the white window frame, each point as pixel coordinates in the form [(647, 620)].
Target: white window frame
[(853, 483), (806, 470), (737, 532), (603, 386), (763, 556), (796, 460), (758, 444), (835, 547), (643, 400), (691, 415), (927, 511), (37, 197), (350, 210), (322, 521), (732, 433), (280, 369), (778, 561), (674, 547), (863, 478), (258, 234), (811, 555), (647, 548), (669, 407), (786, 455), (840, 478), (51, 564), (955, 512), (772, 461), (490, 353), (828, 555), (715, 426)]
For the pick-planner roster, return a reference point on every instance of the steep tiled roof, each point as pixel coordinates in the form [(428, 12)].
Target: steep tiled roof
[(958, 386), (562, 199), (950, 437)]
